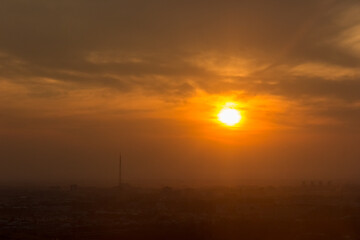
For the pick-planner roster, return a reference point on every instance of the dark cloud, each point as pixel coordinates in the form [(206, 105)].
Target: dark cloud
[(131, 45), (53, 38)]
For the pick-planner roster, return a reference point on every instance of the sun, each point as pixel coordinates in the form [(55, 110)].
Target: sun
[(229, 116)]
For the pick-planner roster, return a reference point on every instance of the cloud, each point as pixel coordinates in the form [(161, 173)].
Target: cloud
[(348, 38), (325, 71), (173, 49), (81, 79)]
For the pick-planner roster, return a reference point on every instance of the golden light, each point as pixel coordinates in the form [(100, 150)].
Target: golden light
[(229, 116)]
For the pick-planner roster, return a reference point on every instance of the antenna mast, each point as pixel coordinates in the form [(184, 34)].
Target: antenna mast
[(120, 180)]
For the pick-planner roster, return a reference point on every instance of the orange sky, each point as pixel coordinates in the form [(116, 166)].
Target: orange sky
[(81, 81)]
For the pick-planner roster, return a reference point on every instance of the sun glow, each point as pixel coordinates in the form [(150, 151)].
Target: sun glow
[(229, 116)]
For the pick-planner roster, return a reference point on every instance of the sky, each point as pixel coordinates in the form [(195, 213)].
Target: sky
[(82, 81)]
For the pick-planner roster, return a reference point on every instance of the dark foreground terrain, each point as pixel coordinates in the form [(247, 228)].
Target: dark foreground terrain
[(305, 212)]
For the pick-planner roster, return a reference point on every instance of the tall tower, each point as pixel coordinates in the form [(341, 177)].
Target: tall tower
[(120, 180)]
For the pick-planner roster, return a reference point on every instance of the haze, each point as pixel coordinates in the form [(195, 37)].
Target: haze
[(82, 81)]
